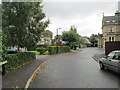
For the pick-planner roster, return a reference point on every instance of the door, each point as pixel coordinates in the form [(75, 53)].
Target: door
[(115, 62), (108, 60)]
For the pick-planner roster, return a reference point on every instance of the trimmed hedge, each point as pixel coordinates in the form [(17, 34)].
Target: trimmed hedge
[(59, 49), (42, 50), (52, 49), (46, 53), (14, 60), (44, 46), (36, 52)]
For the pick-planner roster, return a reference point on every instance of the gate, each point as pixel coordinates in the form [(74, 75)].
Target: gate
[(111, 46)]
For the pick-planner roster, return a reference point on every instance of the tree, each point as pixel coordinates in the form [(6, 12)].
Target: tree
[(69, 36), (72, 38), (94, 39), (23, 23), (47, 33)]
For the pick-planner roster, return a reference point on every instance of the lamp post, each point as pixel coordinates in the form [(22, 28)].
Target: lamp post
[(57, 38)]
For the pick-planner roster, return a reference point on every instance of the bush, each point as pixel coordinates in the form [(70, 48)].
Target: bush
[(14, 60), (52, 49), (44, 46), (46, 53), (59, 49), (42, 50)]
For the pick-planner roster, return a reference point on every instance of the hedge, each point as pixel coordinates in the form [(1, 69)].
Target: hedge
[(58, 49), (14, 60), (42, 50), (36, 52), (46, 53), (44, 46)]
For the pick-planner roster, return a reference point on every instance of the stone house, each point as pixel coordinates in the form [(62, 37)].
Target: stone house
[(45, 40), (110, 29)]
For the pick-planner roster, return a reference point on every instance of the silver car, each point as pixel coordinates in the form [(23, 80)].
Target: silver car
[(111, 61)]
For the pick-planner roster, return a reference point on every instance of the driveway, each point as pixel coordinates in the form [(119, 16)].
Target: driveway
[(75, 70)]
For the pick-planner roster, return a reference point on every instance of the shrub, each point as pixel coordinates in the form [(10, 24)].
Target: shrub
[(52, 49), (46, 53), (44, 46), (14, 60), (59, 49), (42, 50)]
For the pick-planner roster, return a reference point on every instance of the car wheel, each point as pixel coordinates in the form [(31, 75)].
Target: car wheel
[(101, 66)]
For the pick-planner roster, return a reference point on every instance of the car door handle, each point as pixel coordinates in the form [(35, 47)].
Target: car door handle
[(109, 60)]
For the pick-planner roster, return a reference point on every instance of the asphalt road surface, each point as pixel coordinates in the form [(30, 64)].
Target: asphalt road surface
[(75, 70)]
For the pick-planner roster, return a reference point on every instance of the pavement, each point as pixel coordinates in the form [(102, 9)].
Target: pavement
[(18, 77), (75, 70), (100, 54), (97, 57)]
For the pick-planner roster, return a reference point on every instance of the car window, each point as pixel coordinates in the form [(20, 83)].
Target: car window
[(117, 56), (111, 55)]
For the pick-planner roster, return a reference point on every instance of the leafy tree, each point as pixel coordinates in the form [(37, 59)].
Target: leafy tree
[(73, 29), (13, 23), (93, 39), (69, 36), (22, 23), (72, 38), (47, 33)]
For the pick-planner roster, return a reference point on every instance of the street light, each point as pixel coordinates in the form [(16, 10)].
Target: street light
[(57, 30), (57, 38)]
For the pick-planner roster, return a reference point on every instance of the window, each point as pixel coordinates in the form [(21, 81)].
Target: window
[(109, 38), (113, 39), (107, 21), (117, 56), (111, 55), (111, 29), (113, 21)]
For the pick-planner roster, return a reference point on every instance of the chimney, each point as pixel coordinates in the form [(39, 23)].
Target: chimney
[(119, 6), (118, 11)]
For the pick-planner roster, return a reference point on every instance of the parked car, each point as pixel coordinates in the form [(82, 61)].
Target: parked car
[(111, 61), (12, 50)]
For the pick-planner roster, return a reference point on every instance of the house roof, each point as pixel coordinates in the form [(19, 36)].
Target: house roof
[(47, 38), (112, 19), (86, 40)]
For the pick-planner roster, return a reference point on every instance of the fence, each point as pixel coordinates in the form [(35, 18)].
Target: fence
[(111, 46)]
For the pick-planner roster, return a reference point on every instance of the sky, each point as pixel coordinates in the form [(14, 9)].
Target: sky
[(85, 15)]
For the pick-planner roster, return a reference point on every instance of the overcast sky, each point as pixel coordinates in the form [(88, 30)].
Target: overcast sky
[(86, 16)]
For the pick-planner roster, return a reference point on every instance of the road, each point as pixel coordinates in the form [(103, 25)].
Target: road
[(75, 70)]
